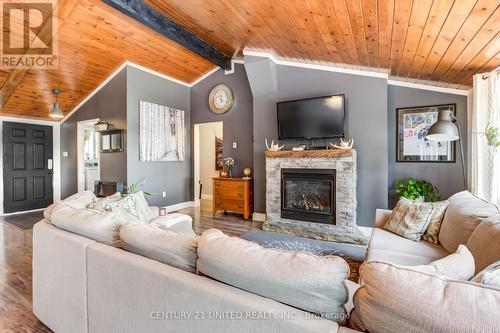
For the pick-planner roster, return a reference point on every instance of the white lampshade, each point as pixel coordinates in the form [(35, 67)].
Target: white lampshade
[(56, 111), (444, 129)]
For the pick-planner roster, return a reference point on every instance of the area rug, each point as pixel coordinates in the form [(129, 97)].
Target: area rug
[(351, 253)]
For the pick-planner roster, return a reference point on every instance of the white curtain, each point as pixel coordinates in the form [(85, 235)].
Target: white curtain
[(484, 161)]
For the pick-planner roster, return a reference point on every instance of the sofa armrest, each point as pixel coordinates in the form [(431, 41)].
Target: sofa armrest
[(155, 210), (381, 217)]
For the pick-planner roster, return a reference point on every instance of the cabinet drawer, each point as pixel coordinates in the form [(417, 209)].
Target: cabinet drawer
[(228, 185), (226, 193), (228, 204)]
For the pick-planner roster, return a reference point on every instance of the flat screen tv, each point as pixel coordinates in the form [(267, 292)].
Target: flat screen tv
[(312, 118)]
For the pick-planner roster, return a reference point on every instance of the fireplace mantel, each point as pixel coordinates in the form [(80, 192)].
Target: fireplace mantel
[(343, 161), (311, 153)]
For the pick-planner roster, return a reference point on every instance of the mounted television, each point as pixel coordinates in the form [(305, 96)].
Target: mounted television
[(312, 118)]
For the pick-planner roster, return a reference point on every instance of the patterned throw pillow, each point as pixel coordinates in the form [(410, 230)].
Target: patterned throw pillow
[(103, 204), (144, 213), (490, 275), (125, 206), (410, 219), (432, 232)]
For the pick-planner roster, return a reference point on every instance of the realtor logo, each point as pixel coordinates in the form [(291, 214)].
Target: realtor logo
[(28, 34)]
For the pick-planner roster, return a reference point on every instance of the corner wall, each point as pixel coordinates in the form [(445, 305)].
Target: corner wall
[(108, 104), (366, 109), (446, 176), (172, 177)]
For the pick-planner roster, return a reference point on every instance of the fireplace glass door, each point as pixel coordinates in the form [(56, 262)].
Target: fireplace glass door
[(308, 195)]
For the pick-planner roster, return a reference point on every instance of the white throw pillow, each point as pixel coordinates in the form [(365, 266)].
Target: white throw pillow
[(305, 281), (99, 226), (394, 299), (144, 213), (490, 275), (457, 266), (174, 249)]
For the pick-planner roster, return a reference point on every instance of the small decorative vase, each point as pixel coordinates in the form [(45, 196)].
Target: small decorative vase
[(230, 172)]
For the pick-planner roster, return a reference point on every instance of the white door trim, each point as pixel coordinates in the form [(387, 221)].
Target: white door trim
[(196, 164), (80, 126)]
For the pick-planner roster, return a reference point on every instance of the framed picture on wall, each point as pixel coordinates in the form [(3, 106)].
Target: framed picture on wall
[(411, 142)]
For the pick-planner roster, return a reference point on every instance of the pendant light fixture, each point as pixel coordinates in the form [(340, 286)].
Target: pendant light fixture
[(56, 108)]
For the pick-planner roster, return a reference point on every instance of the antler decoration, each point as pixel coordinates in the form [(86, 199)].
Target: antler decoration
[(344, 144), (274, 146)]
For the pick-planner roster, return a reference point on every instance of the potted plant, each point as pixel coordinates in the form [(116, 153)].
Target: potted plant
[(419, 190), (229, 163), (492, 135)]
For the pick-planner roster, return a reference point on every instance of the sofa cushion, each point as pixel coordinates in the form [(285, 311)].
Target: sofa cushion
[(398, 258), (463, 215), (490, 275), (399, 299), (97, 225), (484, 242), (303, 280), (174, 249), (385, 240), (77, 200), (458, 266), (410, 219)]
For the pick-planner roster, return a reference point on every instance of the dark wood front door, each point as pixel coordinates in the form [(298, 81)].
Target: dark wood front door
[(27, 166)]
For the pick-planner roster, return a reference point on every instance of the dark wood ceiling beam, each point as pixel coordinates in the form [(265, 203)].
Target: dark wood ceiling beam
[(143, 13)]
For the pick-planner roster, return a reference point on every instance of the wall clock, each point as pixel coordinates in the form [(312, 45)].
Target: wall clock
[(221, 99)]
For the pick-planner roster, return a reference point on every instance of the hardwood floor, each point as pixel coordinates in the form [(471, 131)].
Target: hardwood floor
[(15, 274)]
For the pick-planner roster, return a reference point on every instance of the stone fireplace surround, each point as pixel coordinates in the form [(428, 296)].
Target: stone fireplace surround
[(344, 162)]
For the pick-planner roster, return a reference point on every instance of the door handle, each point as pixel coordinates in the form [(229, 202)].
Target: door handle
[(49, 164)]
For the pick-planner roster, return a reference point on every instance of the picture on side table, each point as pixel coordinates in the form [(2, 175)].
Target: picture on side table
[(411, 142)]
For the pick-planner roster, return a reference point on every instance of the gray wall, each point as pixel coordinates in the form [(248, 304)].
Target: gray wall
[(109, 104), (171, 177), (366, 106), (238, 122), (446, 176)]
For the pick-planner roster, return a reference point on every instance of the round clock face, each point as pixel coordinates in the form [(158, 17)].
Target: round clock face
[(221, 99)]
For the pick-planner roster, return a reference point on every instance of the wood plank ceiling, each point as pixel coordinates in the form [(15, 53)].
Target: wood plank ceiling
[(439, 42)]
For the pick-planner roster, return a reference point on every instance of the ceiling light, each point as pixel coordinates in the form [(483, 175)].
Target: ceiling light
[(56, 108)]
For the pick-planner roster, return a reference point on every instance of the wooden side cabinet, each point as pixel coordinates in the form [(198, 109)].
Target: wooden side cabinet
[(233, 194)]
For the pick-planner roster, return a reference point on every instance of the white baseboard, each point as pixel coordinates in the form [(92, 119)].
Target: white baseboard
[(261, 217), (182, 205), (206, 196), (23, 212)]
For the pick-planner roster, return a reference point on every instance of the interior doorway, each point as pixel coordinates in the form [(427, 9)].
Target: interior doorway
[(88, 150), (208, 153)]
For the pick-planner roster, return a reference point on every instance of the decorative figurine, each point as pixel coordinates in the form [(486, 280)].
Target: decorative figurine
[(274, 146)]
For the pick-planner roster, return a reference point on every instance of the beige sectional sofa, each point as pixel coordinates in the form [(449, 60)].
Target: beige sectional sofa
[(81, 285)]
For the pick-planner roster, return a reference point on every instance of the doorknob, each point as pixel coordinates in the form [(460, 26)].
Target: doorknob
[(49, 164)]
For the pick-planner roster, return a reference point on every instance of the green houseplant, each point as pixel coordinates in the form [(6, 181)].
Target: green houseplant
[(420, 190), (134, 187), (492, 135)]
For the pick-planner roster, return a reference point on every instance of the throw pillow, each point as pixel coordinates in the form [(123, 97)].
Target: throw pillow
[(410, 219), (463, 215), (103, 204), (302, 280), (395, 299), (431, 234), (457, 266), (484, 242), (144, 213), (490, 275), (125, 207)]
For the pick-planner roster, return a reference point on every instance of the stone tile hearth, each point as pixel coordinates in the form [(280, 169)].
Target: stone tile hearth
[(344, 163)]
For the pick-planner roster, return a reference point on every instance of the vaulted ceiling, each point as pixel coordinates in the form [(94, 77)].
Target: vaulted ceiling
[(437, 42)]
